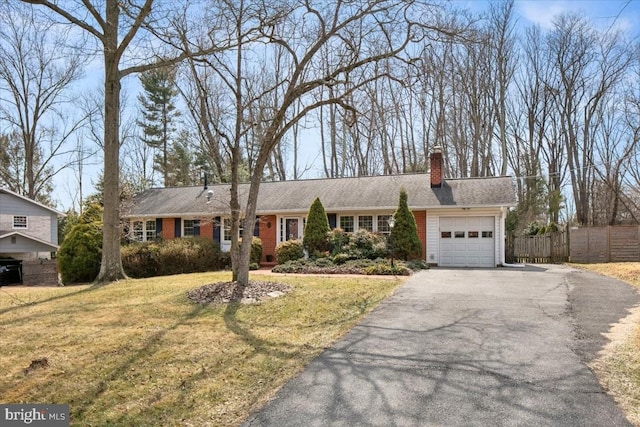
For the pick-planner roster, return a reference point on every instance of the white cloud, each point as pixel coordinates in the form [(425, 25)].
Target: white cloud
[(621, 14), (542, 12)]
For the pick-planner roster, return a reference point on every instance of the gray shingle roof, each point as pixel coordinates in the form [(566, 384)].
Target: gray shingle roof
[(336, 195)]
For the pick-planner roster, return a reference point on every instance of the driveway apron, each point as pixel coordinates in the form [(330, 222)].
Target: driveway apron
[(466, 347)]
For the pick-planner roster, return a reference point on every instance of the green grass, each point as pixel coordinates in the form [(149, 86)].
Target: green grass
[(138, 352)]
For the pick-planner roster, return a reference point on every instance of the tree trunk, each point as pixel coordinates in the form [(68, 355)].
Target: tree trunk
[(111, 267)]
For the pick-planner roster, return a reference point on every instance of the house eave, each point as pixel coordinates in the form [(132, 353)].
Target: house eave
[(58, 213), (28, 237)]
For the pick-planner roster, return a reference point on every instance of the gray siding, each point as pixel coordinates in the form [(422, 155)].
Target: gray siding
[(21, 245), (41, 222)]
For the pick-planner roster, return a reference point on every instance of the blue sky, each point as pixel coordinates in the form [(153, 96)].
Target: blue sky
[(623, 15), (604, 15)]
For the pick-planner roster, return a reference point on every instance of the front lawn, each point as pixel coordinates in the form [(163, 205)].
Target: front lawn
[(618, 367), (139, 352)]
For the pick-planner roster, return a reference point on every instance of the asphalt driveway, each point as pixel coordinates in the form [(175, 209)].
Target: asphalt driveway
[(467, 347)]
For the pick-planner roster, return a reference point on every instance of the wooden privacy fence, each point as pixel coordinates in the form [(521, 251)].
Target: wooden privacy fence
[(613, 243), (542, 249)]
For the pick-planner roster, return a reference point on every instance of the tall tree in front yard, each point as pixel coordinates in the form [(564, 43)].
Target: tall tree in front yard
[(404, 241), (357, 35), (118, 28), (159, 115)]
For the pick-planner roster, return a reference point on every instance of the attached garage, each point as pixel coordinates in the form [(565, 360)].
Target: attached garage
[(467, 241)]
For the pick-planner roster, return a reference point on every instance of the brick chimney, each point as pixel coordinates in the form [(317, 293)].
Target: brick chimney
[(436, 167)]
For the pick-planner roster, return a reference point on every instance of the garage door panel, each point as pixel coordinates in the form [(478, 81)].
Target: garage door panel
[(474, 245)]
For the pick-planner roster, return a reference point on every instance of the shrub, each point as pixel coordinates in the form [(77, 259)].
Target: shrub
[(140, 259), (387, 269), (338, 241), (342, 258), (361, 263), (80, 253), (367, 245), (290, 250), (324, 262), (315, 238), (324, 266), (173, 256), (404, 241), (417, 264), (256, 251), (189, 255)]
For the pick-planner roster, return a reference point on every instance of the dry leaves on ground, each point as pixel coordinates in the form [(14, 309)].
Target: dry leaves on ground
[(225, 292)]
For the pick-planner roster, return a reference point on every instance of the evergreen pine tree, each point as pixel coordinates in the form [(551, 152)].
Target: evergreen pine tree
[(159, 114), (181, 159), (404, 241), (81, 250), (315, 237)]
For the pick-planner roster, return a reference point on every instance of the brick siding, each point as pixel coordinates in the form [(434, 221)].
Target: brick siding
[(267, 230), (421, 226)]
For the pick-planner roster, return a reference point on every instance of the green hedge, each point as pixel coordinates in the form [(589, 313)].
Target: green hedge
[(80, 253), (173, 256), (290, 250)]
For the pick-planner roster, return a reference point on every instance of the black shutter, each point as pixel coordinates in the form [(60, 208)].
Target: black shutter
[(256, 227), (333, 220), (216, 229), (178, 227)]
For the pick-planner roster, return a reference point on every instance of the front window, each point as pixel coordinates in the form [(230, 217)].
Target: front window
[(144, 231), (365, 222), (150, 230), (383, 224), (226, 225), (19, 221), (188, 228), (138, 231), (347, 224)]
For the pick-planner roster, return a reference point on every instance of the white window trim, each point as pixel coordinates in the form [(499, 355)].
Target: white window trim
[(302, 222), (356, 220), (226, 225), (143, 230), (193, 227)]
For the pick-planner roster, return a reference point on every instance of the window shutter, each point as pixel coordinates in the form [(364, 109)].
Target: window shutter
[(196, 227), (333, 220), (178, 227), (256, 227), (158, 227), (216, 229)]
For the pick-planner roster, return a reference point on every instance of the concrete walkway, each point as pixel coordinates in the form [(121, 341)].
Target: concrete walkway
[(467, 347)]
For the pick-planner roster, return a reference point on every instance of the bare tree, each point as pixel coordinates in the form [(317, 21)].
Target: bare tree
[(502, 40), (36, 74), (367, 32), (588, 65), (269, 101), (117, 27)]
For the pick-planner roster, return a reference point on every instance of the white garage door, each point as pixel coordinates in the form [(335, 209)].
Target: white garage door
[(467, 241)]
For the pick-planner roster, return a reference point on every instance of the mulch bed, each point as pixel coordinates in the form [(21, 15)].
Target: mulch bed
[(226, 292)]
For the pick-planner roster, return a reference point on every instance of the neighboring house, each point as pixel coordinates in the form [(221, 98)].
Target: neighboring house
[(28, 237), (461, 222)]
